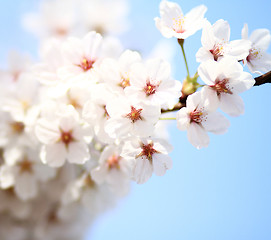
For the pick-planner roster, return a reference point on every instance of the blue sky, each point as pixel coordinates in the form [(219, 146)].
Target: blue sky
[(221, 192)]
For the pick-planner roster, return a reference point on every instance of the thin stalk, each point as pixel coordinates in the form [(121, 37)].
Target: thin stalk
[(172, 118), (181, 42)]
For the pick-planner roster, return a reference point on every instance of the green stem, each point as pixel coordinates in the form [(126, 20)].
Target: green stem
[(181, 42), (167, 118)]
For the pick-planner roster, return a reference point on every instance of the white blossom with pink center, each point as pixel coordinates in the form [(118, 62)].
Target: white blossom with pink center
[(152, 82), (173, 23), (113, 170), (225, 80), (81, 57), (129, 117), (258, 60), (147, 156), (197, 119), (63, 138), (117, 73), (216, 43), (23, 171)]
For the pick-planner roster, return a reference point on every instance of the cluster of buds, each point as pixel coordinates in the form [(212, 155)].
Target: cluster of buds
[(87, 120)]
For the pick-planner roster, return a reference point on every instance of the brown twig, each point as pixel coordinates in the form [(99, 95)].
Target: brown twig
[(265, 78)]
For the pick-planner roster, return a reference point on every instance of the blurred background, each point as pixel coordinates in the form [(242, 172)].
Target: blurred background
[(221, 192)]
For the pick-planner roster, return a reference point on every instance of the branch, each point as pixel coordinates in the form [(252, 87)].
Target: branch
[(265, 78)]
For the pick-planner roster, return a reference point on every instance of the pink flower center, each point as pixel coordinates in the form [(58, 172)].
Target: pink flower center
[(217, 51), (135, 114), (125, 82), (66, 137), (150, 89), (17, 127), (222, 86), (25, 166), (253, 54), (147, 151), (86, 64), (198, 115), (113, 162), (178, 24)]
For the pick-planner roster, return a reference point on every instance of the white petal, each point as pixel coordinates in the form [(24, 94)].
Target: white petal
[(221, 30), (207, 38), (26, 186), (183, 119), (232, 104), (99, 174), (245, 32), (208, 71), (161, 163), (239, 49), (261, 38), (54, 154), (7, 176), (210, 98), (216, 123), (78, 152), (47, 132), (43, 172), (143, 170), (197, 136)]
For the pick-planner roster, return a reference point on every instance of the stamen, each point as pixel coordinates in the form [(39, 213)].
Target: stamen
[(217, 51), (254, 54), (17, 127), (125, 82), (135, 114), (222, 86), (150, 89), (25, 166), (86, 64), (198, 115), (113, 162), (66, 137), (147, 151), (178, 24)]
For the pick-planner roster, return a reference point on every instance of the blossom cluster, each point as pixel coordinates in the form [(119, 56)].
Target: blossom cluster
[(80, 125)]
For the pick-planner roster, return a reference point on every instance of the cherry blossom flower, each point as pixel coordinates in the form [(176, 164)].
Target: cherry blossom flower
[(130, 117), (81, 56), (216, 43), (24, 171), (147, 156), (225, 80), (117, 73), (152, 82), (49, 23), (104, 16), (113, 170), (197, 119), (174, 24), (93, 197), (95, 111), (258, 60), (63, 138)]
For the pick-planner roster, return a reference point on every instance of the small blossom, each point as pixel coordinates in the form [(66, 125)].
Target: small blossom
[(130, 117), (225, 80), (197, 119), (64, 138), (174, 24), (148, 156), (152, 83), (113, 170), (216, 43), (258, 60)]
